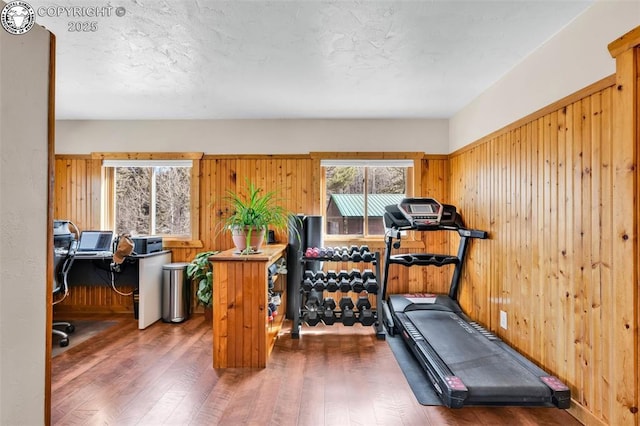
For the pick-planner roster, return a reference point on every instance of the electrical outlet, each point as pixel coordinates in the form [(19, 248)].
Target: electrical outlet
[(503, 319)]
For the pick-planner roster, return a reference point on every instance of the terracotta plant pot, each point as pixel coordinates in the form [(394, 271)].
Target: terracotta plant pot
[(239, 236)]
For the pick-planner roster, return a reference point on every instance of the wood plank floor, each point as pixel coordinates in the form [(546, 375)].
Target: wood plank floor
[(163, 375)]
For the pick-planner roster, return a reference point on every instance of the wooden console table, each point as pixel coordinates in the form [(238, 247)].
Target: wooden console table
[(243, 336)]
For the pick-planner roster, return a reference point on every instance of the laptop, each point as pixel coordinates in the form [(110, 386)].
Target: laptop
[(94, 243)]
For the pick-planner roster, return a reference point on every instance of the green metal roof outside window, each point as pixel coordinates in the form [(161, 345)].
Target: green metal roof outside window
[(352, 205)]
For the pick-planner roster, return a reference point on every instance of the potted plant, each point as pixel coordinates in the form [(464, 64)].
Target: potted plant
[(200, 271), (253, 212)]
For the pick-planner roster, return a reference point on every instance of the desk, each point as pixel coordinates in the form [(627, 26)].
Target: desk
[(142, 272)]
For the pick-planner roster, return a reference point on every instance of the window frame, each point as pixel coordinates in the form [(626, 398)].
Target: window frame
[(107, 210), (413, 185)]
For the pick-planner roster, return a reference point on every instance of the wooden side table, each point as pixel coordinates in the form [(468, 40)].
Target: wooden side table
[(243, 336)]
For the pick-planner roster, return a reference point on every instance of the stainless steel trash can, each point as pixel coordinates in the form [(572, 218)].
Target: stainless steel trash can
[(176, 294)]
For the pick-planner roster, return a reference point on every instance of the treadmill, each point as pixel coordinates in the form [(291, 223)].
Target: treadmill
[(465, 363)]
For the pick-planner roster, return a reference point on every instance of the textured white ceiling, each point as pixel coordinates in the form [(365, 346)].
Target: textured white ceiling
[(289, 59)]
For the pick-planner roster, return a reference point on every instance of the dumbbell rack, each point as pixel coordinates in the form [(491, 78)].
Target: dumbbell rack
[(312, 308)]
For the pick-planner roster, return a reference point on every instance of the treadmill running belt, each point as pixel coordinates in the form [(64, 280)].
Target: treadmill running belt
[(490, 373)]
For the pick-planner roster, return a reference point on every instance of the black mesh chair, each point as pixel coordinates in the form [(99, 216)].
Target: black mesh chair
[(63, 259)]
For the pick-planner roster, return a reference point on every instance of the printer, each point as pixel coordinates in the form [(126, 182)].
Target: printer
[(147, 244)]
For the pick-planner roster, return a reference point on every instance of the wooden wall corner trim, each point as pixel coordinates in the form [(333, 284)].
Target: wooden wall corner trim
[(51, 135), (625, 42)]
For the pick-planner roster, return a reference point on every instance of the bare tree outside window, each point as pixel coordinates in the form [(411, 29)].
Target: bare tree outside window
[(153, 200)]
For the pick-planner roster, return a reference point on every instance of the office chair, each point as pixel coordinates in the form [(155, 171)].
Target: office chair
[(63, 259)]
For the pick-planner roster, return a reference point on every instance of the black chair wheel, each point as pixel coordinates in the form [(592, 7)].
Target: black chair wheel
[(64, 342), (70, 329)]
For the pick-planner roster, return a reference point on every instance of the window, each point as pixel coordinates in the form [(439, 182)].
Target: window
[(357, 192), (151, 197)]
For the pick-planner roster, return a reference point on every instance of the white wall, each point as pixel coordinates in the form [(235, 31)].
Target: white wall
[(575, 58), (24, 65), (252, 136)]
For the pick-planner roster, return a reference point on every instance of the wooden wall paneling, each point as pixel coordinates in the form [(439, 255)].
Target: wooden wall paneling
[(554, 204), (563, 285), (525, 208), (567, 258), (511, 303), (59, 186), (483, 248), (585, 261), (226, 180), (515, 193), (553, 298), (294, 204), (577, 265), (208, 212), (593, 365), (605, 266), (542, 241), (504, 281)]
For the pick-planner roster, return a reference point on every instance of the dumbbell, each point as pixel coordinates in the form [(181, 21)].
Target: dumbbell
[(332, 285), (343, 281), (355, 273), (337, 254), (328, 314), (367, 256), (318, 284), (357, 285), (365, 314), (332, 281), (367, 273), (307, 284), (313, 300), (344, 285), (328, 252), (348, 316), (356, 256), (312, 252), (311, 317), (346, 256), (371, 285)]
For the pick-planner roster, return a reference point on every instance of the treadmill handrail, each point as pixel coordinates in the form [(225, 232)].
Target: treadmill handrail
[(412, 259), (463, 232)]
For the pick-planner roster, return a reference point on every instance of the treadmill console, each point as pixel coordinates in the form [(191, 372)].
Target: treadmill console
[(421, 211)]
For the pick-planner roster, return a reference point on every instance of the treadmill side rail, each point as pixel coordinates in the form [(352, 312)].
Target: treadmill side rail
[(450, 388)]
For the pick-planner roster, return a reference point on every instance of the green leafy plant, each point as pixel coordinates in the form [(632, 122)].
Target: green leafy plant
[(200, 270), (255, 210)]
